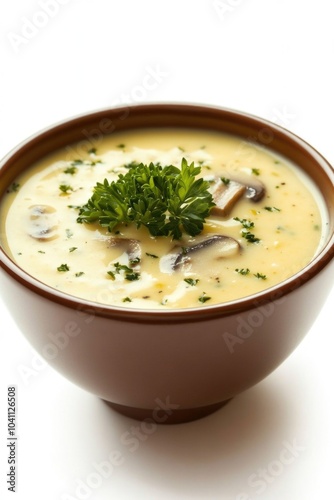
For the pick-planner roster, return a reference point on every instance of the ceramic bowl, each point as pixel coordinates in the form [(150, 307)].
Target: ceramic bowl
[(174, 365)]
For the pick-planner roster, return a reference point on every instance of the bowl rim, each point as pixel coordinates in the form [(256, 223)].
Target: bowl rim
[(275, 293)]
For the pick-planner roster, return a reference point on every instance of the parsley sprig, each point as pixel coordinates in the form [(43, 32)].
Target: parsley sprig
[(166, 200)]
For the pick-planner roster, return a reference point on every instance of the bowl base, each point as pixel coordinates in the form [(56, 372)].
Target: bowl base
[(178, 416)]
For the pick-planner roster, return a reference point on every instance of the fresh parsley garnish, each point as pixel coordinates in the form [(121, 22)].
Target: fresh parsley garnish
[(167, 201)]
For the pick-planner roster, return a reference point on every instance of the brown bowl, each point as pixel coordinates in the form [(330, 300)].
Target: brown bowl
[(172, 365)]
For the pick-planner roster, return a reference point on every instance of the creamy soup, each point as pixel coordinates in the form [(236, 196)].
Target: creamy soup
[(267, 223)]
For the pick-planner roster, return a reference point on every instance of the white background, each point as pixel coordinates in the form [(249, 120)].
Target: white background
[(272, 58)]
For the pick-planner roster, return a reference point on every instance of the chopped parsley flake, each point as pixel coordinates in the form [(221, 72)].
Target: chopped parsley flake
[(245, 222), (71, 170), (255, 171), (151, 255), (13, 188), (191, 281), (129, 274), (72, 249), (225, 180), (135, 261), (80, 273), (63, 268), (65, 188), (272, 209), (204, 298), (250, 237), (260, 276), (243, 271)]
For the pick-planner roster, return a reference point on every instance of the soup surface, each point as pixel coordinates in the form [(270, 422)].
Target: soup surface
[(267, 223)]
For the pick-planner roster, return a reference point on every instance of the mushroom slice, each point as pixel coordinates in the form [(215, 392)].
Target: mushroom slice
[(185, 257), (130, 246), (255, 189), (42, 222), (225, 195)]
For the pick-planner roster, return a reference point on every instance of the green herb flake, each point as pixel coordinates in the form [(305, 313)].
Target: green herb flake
[(121, 146), (204, 298), (13, 188), (260, 276), (272, 209), (69, 233), (65, 188), (167, 201), (191, 281), (250, 237), (80, 273), (225, 180), (63, 268), (77, 162), (255, 171), (71, 170), (151, 255), (127, 299), (129, 274), (243, 271), (135, 261), (247, 224), (40, 251), (72, 249), (92, 151)]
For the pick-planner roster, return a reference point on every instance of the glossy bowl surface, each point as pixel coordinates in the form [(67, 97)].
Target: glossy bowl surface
[(174, 365)]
